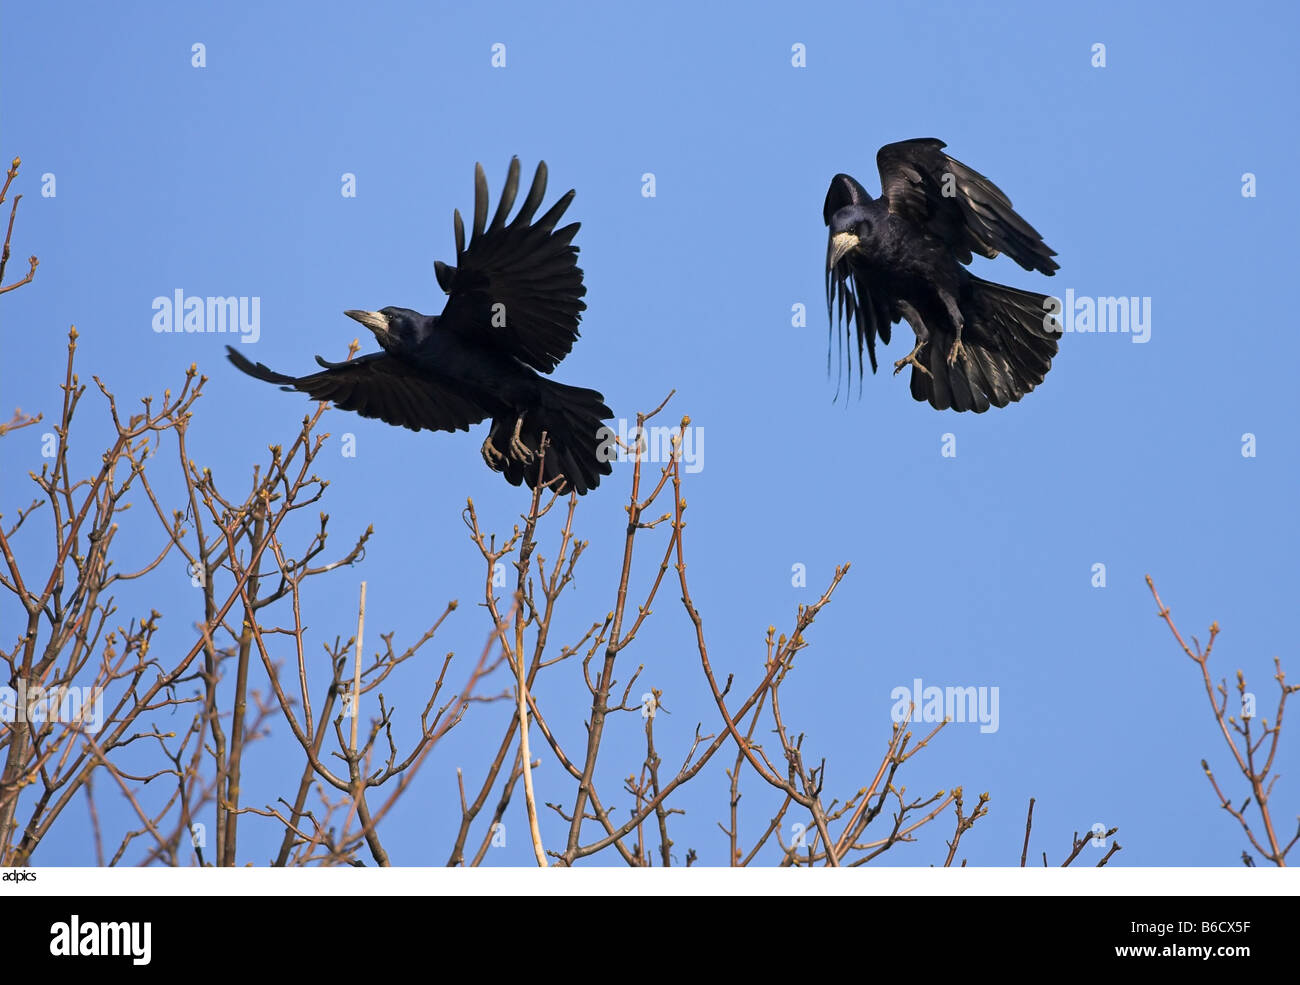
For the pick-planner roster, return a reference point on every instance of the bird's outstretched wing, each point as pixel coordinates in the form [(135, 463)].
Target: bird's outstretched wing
[(516, 286), (377, 385), (864, 313), (958, 204)]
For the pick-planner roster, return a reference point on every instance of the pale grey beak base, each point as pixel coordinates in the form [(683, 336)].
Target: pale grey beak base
[(376, 321), (841, 243)]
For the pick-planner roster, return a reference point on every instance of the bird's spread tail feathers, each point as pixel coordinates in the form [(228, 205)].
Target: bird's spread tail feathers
[(1008, 343), (578, 451)]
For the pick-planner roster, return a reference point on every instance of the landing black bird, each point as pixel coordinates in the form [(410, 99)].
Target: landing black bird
[(512, 312), (902, 255)]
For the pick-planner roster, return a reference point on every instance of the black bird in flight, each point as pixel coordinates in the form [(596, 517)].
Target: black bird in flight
[(901, 256), (512, 312)]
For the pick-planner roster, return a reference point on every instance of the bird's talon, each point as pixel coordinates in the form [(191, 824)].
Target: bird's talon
[(517, 447), (521, 451), (958, 350), (911, 360), (495, 460)]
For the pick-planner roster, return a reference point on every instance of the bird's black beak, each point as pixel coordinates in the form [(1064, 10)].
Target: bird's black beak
[(841, 243), (376, 321)]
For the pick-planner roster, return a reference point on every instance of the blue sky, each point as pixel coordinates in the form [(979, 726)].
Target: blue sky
[(974, 570)]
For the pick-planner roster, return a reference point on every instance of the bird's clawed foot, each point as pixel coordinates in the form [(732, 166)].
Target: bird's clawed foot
[(957, 351), (495, 460), (518, 449), (911, 360)]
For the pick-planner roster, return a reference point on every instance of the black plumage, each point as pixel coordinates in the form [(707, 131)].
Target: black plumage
[(512, 312), (902, 255)]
